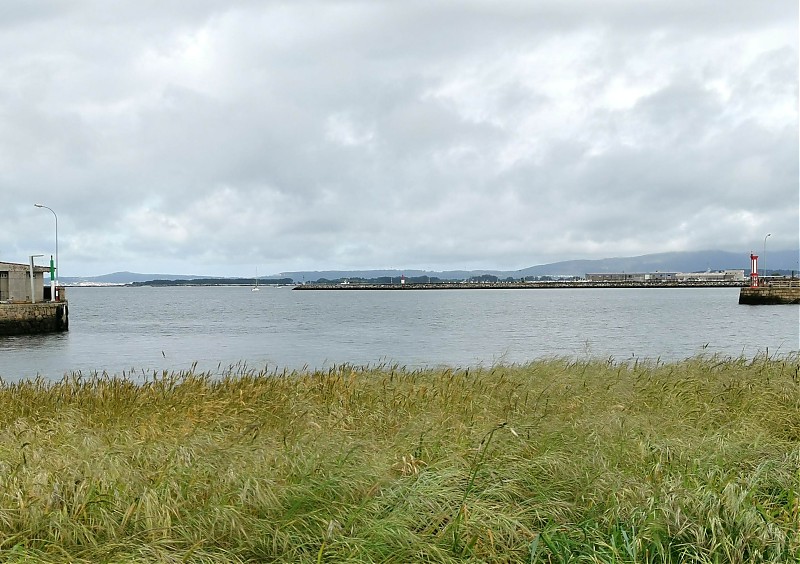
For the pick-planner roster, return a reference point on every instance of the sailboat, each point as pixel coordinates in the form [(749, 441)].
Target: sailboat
[(255, 288)]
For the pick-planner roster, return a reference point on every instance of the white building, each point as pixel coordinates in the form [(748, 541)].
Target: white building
[(712, 276), (708, 276), (630, 276)]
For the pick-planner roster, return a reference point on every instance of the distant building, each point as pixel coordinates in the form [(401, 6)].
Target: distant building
[(712, 276), (15, 282), (709, 276), (630, 276)]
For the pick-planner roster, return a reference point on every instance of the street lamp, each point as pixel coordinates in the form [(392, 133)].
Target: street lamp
[(58, 272), (764, 258)]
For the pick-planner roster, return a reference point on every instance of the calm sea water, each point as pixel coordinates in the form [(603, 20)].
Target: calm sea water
[(144, 329)]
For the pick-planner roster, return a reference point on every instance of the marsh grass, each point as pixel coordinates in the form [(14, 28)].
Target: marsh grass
[(554, 461)]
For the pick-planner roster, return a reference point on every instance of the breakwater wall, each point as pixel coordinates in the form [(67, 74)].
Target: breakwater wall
[(770, 295), (27, 318), (519, 285)]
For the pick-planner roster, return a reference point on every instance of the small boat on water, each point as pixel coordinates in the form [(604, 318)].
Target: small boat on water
[(255, 288)]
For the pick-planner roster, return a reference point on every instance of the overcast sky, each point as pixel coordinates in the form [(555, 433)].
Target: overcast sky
[(221, 137)]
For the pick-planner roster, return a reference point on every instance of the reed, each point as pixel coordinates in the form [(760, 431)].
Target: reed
[(553, 461)]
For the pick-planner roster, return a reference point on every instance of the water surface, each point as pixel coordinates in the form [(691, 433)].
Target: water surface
[(117, 329)]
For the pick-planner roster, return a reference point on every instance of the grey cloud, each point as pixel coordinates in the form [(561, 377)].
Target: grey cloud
[(311, 134)]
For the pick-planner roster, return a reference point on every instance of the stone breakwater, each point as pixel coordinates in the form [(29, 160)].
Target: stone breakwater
[(518, 285), (770, 295), (24, 318)]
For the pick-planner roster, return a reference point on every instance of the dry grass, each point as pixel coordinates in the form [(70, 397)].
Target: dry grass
[(554, 461)]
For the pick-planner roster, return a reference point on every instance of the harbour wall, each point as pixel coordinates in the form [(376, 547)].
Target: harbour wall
[(519, 285), (770, 295), (27, 318)]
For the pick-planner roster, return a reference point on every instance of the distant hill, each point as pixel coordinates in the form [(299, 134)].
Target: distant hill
[(124, 278), (695, 261), (692, 261)]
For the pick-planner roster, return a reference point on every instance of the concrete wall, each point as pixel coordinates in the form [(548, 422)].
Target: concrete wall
[(44, 317)]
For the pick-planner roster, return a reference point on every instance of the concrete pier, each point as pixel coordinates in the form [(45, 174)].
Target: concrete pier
[(770, 295), (520, 285), (28, 318)]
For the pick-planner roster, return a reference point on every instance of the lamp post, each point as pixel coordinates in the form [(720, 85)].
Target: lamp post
[(58, 272), (764, 257)]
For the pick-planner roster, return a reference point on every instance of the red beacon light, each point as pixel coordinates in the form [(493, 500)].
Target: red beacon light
[(753, 270)]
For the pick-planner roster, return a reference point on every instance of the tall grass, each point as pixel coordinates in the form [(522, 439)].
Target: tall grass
[(553, 461)]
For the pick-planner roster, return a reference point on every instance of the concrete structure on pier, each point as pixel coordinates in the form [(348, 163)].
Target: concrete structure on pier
[(15, 282), (22, 312)]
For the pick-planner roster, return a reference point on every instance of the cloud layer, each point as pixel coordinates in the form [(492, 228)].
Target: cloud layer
[(214, 138)]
